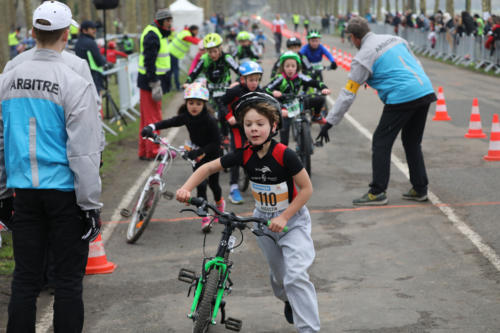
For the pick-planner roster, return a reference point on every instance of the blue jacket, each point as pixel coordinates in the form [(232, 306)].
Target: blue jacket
[(315, 56)]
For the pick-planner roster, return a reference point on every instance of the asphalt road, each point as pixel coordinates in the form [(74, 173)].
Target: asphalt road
[(404, 267)]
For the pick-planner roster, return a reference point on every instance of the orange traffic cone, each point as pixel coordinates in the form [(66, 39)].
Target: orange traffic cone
[(340, 62), (494, 150), (475, 130), (97, 263), (441, 112), (348, 64)]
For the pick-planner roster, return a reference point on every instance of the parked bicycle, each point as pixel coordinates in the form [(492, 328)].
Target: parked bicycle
[(154, 187), (215, 280)]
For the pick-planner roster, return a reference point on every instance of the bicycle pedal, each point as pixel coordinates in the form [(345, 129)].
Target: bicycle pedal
[(168, 195), (125, 212), (233, 324), (186, 275)]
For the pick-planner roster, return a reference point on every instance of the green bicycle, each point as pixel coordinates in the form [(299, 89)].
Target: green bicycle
[(214, 280)]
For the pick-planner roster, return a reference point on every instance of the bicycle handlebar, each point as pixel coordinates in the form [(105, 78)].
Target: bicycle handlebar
[(202, 203), (162, 141)]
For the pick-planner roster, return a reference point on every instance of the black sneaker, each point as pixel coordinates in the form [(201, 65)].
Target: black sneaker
[(369, 199), (415, 196), (288, 313)]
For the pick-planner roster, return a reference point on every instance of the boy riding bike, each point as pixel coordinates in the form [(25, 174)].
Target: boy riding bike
[(274, 170), (251, 74), (245, 50), (314, 52), (216, 66), (290, 81), (293, 44)]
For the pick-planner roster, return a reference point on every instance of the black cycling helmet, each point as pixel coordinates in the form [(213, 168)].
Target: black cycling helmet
[(293, 41), (258, 97)]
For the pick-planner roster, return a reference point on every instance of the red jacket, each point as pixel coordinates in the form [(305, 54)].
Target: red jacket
[(491, 39), (112, 53)]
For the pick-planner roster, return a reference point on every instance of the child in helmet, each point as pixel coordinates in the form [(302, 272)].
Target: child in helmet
[(274, 170), (250, 76), (204, 135), (112, 52), (314, 52), (245, 50), (293, 44), (260, 38), (216, 66), (289, 81)]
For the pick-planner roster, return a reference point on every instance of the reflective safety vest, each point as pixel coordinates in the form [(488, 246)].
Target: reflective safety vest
[(296, 18), (13, 41), (128, 45), (162, 63), (92, 63), (179, 47), (73, 30)]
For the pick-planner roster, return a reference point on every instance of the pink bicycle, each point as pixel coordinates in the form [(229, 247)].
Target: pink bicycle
[(154, 187)]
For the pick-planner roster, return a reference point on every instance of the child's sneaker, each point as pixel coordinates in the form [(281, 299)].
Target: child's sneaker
[(235, 197), (220, 205), (205, 224), (414, 195), (370, 199)]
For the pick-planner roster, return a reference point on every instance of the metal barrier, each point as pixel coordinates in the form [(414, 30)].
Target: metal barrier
[(461, 50)]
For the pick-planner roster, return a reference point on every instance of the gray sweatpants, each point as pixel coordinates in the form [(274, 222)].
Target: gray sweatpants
[(289, 259)]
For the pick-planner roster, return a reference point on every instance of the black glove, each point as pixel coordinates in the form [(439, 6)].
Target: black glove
[(323, 134), (92, 220), (6, 208), (333, 65), (148, 131), (193, 154)]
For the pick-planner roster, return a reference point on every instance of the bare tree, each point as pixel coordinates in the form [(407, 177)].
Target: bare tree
[(450, 7), (131, 21), (423, 6), (486, 5), (85, 10), (436, 6), (336, 8), (388, 5), (4, 32), (467, 6), (396, 6), (349, 6), (27, 13)]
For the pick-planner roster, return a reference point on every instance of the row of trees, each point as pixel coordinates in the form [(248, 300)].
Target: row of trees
[(135, 14)]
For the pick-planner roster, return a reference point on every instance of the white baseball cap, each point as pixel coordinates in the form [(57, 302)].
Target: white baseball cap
[(56, 13)]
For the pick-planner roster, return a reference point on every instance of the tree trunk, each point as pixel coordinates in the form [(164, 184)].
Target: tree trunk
[(436, 6), (467, 5), (28, 12), (4, 32), (486, 5), (144, 14), (388, 6), (349, 6), (423, 6), (379, 10), (396, 6), (336, 8), (450, 8)]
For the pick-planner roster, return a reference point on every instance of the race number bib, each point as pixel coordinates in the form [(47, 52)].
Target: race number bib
[(293, 108), (270, 198), (317, 66), (217, 90)]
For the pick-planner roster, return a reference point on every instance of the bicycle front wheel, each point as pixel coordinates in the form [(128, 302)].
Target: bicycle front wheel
[(143, 211), (305, 146), (205, 309)]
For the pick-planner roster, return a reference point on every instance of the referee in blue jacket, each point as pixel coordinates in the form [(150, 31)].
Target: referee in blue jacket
[(387, 64)]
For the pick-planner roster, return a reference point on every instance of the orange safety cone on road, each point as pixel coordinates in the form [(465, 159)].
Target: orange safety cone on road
[(441, 111), (494, 150), (475, 129), (340, 62), (97, 263), (348, 64)]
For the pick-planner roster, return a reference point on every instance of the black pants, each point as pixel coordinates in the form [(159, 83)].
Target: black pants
[(315, 104), (285, 130), (174, 70), (277, 42), (47, 219), (410, 120), (213, 183)]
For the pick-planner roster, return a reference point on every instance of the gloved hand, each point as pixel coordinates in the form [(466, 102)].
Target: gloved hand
[(92, 220), (6, 208), (323, 134), (333, 65), (156, 91), (193, 154), (148, 131)]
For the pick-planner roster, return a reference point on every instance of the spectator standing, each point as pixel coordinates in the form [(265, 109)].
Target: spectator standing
[(154, 63), (278, 26), (128, 44), (56, 181), (14, 42), (296, 22), (479, 23)]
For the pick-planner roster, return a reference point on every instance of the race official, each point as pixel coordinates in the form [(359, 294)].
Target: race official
[(51, 138), (154, 63), (387, 64)]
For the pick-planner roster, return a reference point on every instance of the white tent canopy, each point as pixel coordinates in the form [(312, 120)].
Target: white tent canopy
[(185, 14)]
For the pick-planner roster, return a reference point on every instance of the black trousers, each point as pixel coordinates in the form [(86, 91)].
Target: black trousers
[(174, 70), (410, 120), (213, 183), (277, 42), (285, 130), (47, 220)]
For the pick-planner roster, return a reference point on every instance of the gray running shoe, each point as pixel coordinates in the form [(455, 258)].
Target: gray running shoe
[(369, 199), (415, 196)]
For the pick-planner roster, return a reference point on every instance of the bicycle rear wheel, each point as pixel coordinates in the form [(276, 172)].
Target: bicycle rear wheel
[(305, 146), (143, 211), (204, 311)]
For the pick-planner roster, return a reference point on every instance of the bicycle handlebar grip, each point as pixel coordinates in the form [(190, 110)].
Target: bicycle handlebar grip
[(285, 229), (196, 201)]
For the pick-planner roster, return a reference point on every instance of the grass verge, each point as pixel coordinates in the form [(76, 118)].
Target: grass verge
[(6, 254)]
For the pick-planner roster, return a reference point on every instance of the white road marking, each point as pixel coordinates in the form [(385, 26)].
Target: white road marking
[(45, 322), (487, 251)]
